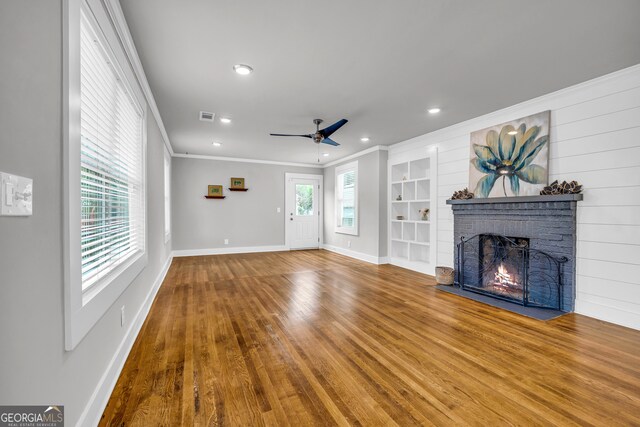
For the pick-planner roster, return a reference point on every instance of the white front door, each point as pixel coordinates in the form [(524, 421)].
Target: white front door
[(303, 213)]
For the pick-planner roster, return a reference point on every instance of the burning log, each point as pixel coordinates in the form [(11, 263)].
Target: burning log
[(563, 187), (462, 195)]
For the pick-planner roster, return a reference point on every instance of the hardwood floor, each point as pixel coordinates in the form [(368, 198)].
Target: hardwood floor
[(315, 338)]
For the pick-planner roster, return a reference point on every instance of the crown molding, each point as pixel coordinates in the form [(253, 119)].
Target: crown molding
[(122, 30), (273, 162), (237, 159), (356, 155)]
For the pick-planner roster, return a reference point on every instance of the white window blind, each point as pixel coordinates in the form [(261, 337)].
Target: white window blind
[(346, 198), (112, 167)]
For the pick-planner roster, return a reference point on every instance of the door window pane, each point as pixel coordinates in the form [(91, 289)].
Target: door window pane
[(304, 199)]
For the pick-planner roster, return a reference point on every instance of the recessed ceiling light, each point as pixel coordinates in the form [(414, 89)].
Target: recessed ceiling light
[(225, 120), (513, 132), (365, 139), (242, 69), (325, 154), (435, 110), (217, 144)]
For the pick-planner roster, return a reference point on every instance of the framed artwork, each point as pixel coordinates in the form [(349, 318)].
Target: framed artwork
[(214, 190), (237, 183), (511, 159)]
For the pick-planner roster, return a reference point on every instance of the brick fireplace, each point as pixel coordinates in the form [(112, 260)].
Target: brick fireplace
[(518, 249)]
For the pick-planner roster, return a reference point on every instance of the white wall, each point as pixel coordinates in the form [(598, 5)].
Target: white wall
[(594, 140), (371, 242), (34, 367), (248, 219)]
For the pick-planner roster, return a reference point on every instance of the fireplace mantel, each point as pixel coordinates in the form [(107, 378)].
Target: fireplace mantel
[(522, 199)]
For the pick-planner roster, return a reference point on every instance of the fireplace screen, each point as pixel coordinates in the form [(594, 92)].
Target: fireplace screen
[(509, 269)]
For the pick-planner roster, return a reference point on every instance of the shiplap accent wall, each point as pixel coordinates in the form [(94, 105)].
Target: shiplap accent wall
[(595, 139)]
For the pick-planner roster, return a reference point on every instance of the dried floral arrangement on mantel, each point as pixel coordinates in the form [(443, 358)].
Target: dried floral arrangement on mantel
[(462, 195), (563, 187)]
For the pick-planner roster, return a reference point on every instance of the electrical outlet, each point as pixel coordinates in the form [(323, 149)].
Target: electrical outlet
[(122, 316), (226, 241), (348, 243)]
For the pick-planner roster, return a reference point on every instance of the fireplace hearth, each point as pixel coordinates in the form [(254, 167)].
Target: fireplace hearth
[(519, 250)]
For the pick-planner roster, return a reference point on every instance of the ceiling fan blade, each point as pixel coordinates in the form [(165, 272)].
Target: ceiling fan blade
[(330, 142), (326, 132), (286, 134)]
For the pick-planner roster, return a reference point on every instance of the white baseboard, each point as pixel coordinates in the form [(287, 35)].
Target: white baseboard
[(608, 314), (100, 397), (232, 250), (357, 255)]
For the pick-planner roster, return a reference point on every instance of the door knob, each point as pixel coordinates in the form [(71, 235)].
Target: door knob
[(290, 219)]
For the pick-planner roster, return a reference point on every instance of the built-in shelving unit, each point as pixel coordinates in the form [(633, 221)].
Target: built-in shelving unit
[(412, 187)]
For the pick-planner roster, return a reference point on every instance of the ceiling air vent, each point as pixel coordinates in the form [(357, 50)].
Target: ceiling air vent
[(206, 117)]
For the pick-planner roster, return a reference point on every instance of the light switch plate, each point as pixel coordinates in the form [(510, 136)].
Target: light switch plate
[(16, 195)]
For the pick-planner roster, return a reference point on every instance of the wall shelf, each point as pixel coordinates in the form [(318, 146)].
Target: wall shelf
[(214, 197), (238, 189)]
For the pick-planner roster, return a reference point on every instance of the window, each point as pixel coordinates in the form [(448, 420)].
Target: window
[(111, 163), (167, 195), (104, 130), (347, 198)]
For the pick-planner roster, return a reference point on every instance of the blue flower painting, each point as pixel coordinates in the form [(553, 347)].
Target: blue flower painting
[(511, 159)]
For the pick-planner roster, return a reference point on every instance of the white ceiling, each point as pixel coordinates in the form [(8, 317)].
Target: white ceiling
[(379, 64)]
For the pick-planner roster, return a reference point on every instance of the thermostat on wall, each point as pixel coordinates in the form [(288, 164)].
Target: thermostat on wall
[(17, 195)]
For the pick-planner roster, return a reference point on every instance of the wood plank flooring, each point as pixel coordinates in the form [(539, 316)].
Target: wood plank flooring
[(315, 338)]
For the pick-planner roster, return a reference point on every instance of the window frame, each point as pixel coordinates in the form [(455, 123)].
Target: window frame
[(341, 170), (167, 195), (83, 309)]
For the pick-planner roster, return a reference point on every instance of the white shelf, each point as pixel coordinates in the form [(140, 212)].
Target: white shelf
[(410, 180), (400, 249), (415, 242), (419, 168)]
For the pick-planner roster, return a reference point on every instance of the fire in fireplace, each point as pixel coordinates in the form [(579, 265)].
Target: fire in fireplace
[(508, 269), (502, 263), (504, 280)]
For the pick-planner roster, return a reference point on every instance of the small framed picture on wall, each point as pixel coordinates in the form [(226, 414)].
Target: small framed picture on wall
[(214, 190), (237, 183)]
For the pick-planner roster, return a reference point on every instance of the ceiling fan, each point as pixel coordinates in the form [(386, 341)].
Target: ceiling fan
[(321, 135)]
